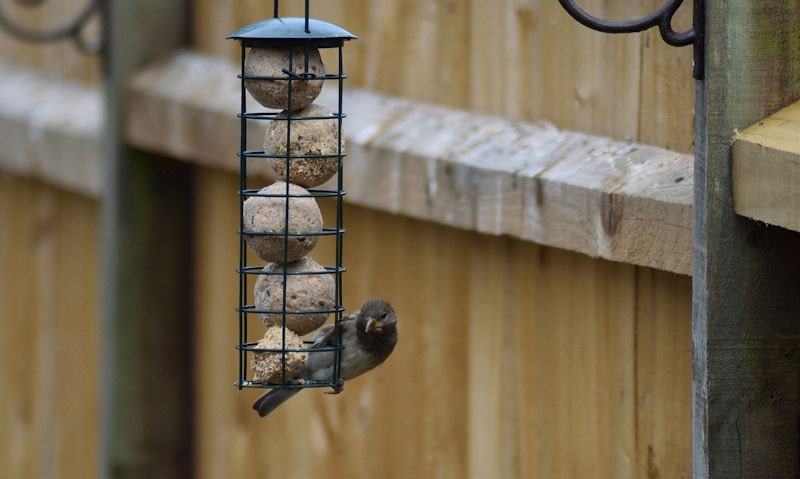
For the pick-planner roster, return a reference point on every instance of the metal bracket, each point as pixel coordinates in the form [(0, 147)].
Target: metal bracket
[(73, 29), (661, 18)]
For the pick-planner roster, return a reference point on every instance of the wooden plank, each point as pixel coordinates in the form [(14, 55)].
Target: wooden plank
[(76, 358), (766, 169), (51, 129), (146, 299), (564, 405), (617, 200), (49, 336), (524, 60), (518, 67), (219, 420), (663, 371), (18, 335), (492, 415), (488, 43), (213, 22), (745, 282), (666, 105)]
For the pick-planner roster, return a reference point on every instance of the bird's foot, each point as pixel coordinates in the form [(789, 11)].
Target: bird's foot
[(337, 389)]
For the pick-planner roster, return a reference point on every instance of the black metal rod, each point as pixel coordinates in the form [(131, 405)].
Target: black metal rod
[(242, 188), (661, 18), (72, 29), (308, 30), (699, 27), (285, 267), (337, 361)]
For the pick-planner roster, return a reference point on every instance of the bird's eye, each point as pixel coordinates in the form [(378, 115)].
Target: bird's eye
[(383, 316)]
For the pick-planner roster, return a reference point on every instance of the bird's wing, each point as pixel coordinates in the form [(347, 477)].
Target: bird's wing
[(325, 337)]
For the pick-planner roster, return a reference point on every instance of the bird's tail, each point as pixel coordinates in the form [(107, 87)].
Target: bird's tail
[(271, 400)]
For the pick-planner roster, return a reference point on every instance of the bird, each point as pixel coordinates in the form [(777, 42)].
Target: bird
[(369, 336)]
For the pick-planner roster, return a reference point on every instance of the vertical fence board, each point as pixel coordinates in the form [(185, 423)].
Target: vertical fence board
[(746, 275), (219, 419), (575, 338), (493, 450), (49, 354), (663, 364)]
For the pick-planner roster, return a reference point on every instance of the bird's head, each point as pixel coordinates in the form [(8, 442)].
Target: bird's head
[(375, 315)]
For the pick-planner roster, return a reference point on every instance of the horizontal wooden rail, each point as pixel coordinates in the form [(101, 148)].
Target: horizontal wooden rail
[(617, 200), (766, 169), (51, 130)]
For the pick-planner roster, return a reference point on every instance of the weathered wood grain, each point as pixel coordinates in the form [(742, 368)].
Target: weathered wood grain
[(431, 53), (746, 277), (522, 59), (617, 200), (515, 360)]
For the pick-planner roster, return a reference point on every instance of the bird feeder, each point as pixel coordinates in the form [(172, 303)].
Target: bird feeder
[(284, 294)]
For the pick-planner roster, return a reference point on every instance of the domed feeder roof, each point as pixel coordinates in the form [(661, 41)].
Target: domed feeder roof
[(281, 31)]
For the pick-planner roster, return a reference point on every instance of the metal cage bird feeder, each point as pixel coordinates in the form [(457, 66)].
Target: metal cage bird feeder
[(281, 69)]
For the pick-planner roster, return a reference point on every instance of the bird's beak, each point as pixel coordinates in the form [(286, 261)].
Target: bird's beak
[(372, 324)]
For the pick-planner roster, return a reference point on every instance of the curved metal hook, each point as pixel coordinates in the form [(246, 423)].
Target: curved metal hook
[(661, 18), (72, 29)]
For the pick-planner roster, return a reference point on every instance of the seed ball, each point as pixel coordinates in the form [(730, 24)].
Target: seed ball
[(307, 137), (267, 214), (270, 62), (304, 292), (267, 367)]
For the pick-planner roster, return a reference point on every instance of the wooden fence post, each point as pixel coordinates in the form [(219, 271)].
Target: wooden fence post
[(746, 275), (146, 237)]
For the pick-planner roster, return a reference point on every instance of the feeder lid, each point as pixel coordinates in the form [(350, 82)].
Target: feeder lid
[(290, 30)]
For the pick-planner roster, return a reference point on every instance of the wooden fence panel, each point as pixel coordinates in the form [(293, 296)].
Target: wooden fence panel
[(590, 371), (49, 332), (524, 60), (663, 361), (515, 360)]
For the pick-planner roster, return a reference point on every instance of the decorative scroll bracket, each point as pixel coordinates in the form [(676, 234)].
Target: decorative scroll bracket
[(73, 29), (662, 18)]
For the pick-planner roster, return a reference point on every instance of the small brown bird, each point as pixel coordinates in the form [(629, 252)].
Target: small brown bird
[(368, 336)]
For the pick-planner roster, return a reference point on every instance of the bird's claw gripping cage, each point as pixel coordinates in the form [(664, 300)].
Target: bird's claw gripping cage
[(291, 45)]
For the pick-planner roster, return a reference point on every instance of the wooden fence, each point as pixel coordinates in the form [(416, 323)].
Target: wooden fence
[(49, 332), (515, 359), (523, 59)]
